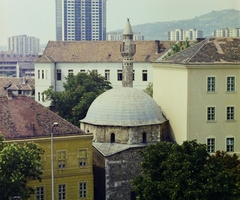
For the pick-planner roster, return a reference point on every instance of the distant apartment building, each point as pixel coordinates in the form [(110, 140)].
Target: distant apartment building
[(80, 20), (15, 65), (226, 32), (117, 36), (180, 34), (23, 45)]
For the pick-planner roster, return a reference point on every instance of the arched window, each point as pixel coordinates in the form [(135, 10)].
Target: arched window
[(112, 137), (144, 138)]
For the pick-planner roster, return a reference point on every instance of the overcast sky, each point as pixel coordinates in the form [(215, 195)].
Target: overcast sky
[(37, 17)]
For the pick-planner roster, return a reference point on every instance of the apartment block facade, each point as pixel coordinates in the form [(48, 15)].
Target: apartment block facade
[(80, 20), (180, 34), (116, 36), (23, 45), (226, 32), (198, 90)]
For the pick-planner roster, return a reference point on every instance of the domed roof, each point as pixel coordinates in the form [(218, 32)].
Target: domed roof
[(124, 107)]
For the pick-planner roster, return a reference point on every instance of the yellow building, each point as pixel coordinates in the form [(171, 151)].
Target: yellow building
[(198, 90), (27, 120)]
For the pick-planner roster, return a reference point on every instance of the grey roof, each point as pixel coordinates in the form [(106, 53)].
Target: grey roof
[(124, 107), (128, 28), (212, 50), (108, 149)]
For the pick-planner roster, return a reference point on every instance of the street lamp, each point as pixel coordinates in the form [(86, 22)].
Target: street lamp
[(55, 124)]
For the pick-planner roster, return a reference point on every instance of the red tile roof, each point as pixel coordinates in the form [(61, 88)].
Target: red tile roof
[(23, 117), (100, 51)]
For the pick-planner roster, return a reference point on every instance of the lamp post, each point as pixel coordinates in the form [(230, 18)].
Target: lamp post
[(52, 157)]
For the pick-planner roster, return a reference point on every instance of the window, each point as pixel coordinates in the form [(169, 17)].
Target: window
[(59, 75), (133, 75), (95, 71), (38, 96), (62, 192), (107, 75), (231, 84), (211, 84), (83, 190), (230, 113), (82, 70), (82, 153), (144, 75), (119, 74), (211, 145), (70, 72), (112, 137), (40, 193), (61, 159), (38, 74), (211, 114), (42, 74), (42, 96), (230, 145), (144, 138)]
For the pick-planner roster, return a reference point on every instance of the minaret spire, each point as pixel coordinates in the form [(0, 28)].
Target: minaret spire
[(127, 50)]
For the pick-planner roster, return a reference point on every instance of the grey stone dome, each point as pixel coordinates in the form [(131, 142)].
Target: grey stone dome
[(124, 107)]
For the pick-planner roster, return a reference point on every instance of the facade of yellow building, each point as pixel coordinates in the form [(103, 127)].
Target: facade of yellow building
[(28, 121)]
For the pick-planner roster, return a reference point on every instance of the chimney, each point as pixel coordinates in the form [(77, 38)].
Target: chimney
[(157, 46)]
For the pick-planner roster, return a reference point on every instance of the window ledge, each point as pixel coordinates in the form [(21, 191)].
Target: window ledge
[(211, 121), (211, 92), (229, 121), (231, 92)]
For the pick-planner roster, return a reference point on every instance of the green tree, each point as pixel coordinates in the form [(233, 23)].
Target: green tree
[(149, 89), (187, 171), (18, 165), (79, 92)]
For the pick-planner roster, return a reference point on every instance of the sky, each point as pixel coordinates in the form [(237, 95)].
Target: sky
[(37, 17)]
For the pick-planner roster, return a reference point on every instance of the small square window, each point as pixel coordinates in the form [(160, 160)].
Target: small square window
[(230, 145), (70, 72), (211, 84)]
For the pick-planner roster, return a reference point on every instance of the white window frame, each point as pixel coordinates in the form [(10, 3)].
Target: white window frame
[(230, 113), (62, 160), (211, 144), (211, 87), (82, 189), (119, 75), (230, 144), (59, 71), (107, 74), (40, 196), (70, 71), (209, 112), (62, 192), (231, 86)]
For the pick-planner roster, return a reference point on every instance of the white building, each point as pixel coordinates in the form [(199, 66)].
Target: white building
[(226, 32), (180, 34), (61, 58), (198, 90), (116, 36), (80, 20), (23, 45)]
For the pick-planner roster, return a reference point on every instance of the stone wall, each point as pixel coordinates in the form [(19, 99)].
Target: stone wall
[(120, 170)]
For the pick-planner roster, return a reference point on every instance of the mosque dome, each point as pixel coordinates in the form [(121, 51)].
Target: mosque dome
[(124, 106)]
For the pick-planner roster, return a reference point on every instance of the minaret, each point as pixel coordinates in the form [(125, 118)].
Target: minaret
[(127, 50)]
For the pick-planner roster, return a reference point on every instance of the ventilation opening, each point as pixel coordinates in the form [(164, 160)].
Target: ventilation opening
[(144, 138)]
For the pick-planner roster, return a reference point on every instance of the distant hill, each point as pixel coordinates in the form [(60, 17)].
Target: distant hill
[(207, 23)]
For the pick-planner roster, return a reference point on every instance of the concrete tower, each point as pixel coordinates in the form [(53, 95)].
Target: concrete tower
[(127, 50)]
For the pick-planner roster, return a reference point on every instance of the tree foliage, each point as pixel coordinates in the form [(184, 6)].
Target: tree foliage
[(18, 165), (179, 46), (149, 89), (79, 92), (187, 171)]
